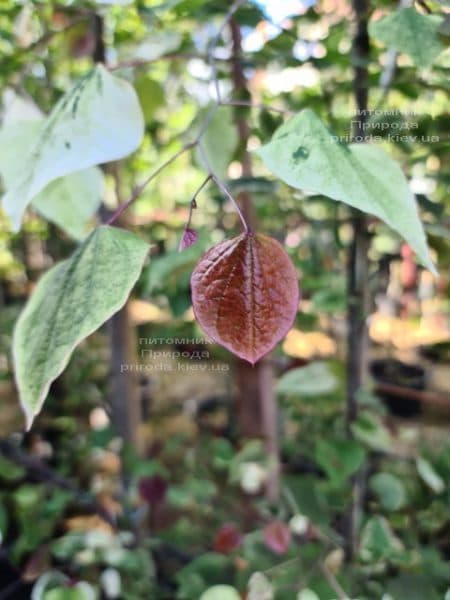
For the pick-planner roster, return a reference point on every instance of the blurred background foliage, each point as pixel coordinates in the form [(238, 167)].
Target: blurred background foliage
[(181, 510)]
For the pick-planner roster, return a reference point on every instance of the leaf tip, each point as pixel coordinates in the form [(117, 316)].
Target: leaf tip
[(29, 419)]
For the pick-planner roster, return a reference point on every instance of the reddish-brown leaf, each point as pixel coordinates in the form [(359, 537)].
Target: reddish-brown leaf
[(227, 539), (153, 489), (277, 537), (245, 294)]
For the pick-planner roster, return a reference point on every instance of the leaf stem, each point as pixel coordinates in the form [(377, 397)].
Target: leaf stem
[(193, 203), (223, 188)]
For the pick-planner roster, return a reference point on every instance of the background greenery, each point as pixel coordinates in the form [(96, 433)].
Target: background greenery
[(180, 507)]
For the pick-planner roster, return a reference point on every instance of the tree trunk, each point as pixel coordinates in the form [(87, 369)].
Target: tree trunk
[(256, 402), (357, 279)]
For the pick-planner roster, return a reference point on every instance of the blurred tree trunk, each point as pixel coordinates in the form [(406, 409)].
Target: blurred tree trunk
[(124, 396), (358, 276), (256, 402)]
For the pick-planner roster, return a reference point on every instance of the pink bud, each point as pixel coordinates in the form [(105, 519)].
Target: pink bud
[(190, 236)]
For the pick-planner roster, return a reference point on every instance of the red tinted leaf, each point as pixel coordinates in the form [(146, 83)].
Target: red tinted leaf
[(277, 537), (153, 489), (227, 539), (245, 294), (190, 236)]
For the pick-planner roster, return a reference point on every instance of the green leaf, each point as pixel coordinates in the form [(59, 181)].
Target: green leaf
[(150, 94), (219, 141), (339, 458), (221, 592), (307, 594), (71, 201), (428, 474), (315, 379), (369, 429), (71, 301), (3, 523), (305, 154), (80, 591), (158, 44), (411, 32), (97, 121), (378, 541), (9, 471), (389, 489)]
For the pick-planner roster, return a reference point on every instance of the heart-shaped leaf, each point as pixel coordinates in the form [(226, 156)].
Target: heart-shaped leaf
[(97, 121), (245, 294), (410, 32), (70, 201), (71, 301), (305, 154)]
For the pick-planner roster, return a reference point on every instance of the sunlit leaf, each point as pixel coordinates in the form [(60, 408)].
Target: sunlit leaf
[(305, 154), (219, 141), (428, 474), (378, 541), (389, 490), (97, 121), (221, 592), (72, 201), (314, 379), (71, 301), (245, 294), (339, 458), (411, 32)]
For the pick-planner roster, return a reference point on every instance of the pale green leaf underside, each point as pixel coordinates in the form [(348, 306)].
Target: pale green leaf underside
[(219, 141), (70, 302), (305, 155), (410, 32), (97, 121), (70, 201)]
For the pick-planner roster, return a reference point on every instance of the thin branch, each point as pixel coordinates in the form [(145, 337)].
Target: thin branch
[(222, 187), (193, 203), (259, 105), (131, 64), (211, 61), (214, 42), (140, 188), (334, 583)]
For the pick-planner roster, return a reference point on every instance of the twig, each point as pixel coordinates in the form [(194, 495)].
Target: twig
[(259, 105), (193, 203), (425, 6), (211, 61), (140, 188), (213, 45), (334, 583), (222, 186), (132, 64)]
